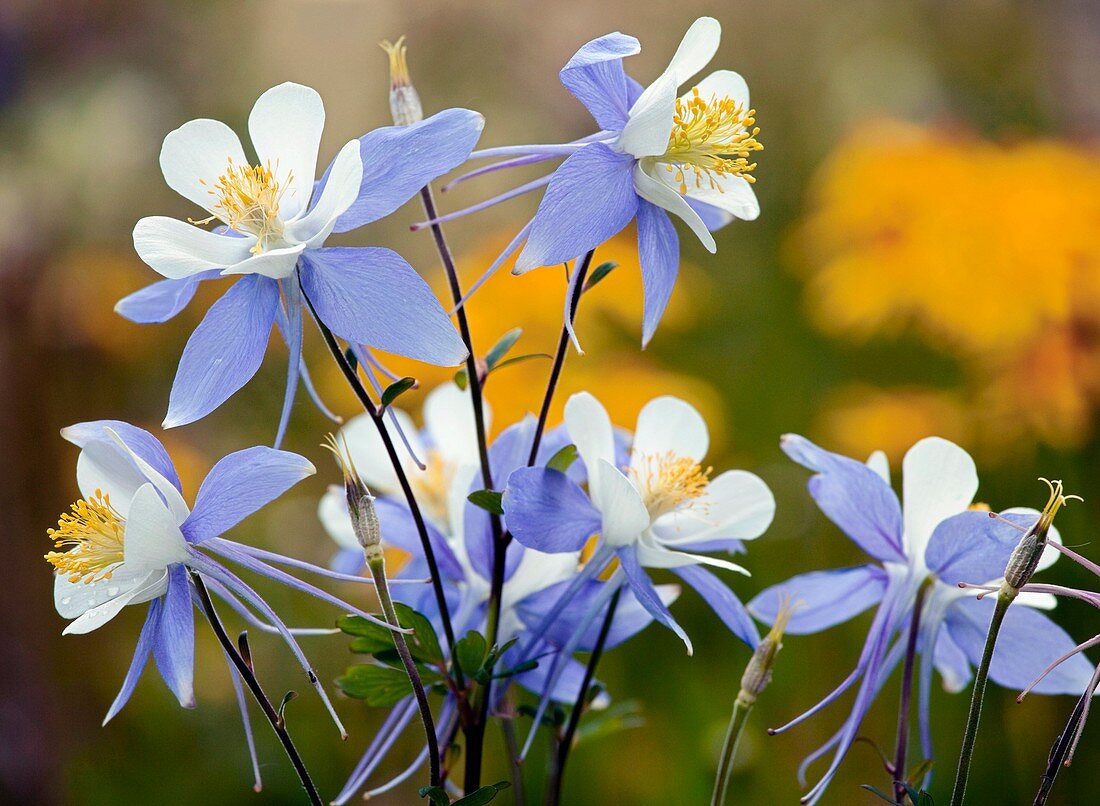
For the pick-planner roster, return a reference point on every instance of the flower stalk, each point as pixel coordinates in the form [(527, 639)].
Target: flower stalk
[(1021, 565), (901, 748), (756, 677)]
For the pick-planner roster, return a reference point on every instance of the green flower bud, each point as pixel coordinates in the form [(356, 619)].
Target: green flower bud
[(404, 100)]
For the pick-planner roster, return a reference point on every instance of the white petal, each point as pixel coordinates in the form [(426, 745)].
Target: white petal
[(650, 121), (176, 505), (199, 152), (369, 454), (670, 425), (274, 263), (151, 586), (538, 570), (733, 194), (737, 505), (177, 249), (455, 528), (657, 192), (285, 127), (334, 517), (723, 84), (341, 189), (73, 599), (101, 467), (652, 555), (449, 421), (624, 513), (697, 48), (1040, 601), (939, 480), (880, 463), (153, 540), (590, 429)]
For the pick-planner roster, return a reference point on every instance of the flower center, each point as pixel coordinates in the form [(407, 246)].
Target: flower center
[(247, 199), (90, 539), (666, 481), (712, 139), (433, 485)]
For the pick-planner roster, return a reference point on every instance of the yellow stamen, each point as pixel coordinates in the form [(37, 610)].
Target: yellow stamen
[(712, 139), (399, 67), (1056, 501), (666, 481), (91, 537), (247, 199)]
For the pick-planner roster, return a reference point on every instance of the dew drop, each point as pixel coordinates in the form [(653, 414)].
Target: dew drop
[(112, 591), (66, 600)]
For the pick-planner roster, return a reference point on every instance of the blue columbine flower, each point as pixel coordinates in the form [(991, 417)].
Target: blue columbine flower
[(937, 540), (656, 153), (463, 542), (275, 220), (658, 511), (131, 539)]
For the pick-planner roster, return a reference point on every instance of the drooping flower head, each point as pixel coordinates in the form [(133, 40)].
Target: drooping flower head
[(939, 539), (658, 151), (132, 539), (272, 219)]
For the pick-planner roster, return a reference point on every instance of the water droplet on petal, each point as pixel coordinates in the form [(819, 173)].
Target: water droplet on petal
[(112, 591), (66, 600)]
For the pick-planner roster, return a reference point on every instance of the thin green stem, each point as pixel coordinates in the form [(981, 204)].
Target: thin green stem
[(378, 571), (741, 709), (902, 746), (980, 678), (244, 669)]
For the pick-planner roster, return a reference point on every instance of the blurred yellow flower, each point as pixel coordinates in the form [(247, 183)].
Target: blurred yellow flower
[(608, 323), (989, 252)]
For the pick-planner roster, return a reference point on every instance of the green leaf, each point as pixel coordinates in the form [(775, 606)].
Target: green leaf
[(601, 271), (470, 652), (562, 460), (461, 380), (489, 500), (375, 639), (620, 716), (925, 799), (520, 359), (379, 686), (479, 797), (919, 771), (503, 345), (396, 389), (879, 794), (436, 794)]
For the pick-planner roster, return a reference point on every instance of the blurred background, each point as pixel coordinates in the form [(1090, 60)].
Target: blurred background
[(927, 262)]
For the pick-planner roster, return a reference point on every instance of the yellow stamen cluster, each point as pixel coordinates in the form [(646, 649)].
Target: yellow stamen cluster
[(666, 481), (713, 139), (248, 200), (90, 539), (432, 486), (399, 66), (1056, 501)]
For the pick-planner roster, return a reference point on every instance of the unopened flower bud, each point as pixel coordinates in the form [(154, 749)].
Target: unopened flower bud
[(364, 517), (758, 672), (404, 101), (1025, 557)]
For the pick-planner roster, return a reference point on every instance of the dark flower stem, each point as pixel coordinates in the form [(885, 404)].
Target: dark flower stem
[(736, 727), (376, 414), (902, 746), (980, 678), (559, 358), (381, 586), (1062, 752), (565, 744), (244, 669)]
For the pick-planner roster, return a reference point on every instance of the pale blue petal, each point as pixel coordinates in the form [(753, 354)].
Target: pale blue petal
[(238, 485), (647, 595), (140, 441), (822, 599), (595, 77), (713, 217), (570, 608), (659, 252), (399, 529), (290, 323), (548, 512), (853, 497), (162, 300), (225, 350), (372, 296), (399, 160), (174, 641), (137, 665), (589, 200), (722, 600), (973, 547), (1028, 642)]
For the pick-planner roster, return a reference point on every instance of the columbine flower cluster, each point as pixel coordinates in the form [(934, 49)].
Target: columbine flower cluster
[(508, 555)]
